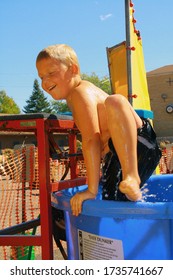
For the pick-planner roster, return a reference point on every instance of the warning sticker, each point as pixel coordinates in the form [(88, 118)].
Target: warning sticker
[(96, 247)]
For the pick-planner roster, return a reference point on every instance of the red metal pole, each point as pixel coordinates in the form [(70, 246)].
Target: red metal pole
[(45, 190), (73, 149)]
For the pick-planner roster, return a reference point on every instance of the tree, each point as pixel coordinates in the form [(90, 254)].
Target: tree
[(7, 104), (59, 107), (37, 102), (103, 83)]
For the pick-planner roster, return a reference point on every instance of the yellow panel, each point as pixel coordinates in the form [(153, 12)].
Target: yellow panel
[(139, 81), (118, 70)]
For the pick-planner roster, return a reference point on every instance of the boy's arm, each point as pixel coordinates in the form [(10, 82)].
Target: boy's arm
[(91, 152), (86, 117), (92, 156)]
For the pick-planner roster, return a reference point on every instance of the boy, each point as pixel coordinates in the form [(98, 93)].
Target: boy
[(109, 127)]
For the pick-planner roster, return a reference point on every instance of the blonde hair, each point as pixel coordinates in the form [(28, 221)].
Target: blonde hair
[(61, 52)]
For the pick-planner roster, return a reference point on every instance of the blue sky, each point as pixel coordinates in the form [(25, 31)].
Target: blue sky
[(89, 26)]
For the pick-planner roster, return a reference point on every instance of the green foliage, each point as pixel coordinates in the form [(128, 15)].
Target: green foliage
[(59, 107), (103, 83), (37, 102), (7, 104)]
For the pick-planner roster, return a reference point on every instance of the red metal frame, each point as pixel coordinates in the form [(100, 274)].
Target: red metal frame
[(42, 127)]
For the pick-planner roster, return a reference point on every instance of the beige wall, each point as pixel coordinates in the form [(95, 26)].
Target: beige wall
[(158, 85)]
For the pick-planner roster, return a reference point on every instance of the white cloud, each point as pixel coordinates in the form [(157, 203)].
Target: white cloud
[(105, 17)]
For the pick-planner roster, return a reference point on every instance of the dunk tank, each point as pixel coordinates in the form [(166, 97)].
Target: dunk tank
[(38, 179), (121, 230)]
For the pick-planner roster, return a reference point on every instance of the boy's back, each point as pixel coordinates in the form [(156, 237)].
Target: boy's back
[(90, 99)]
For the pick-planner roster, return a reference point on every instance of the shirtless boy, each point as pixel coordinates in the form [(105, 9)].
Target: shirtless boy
[(100, 117)]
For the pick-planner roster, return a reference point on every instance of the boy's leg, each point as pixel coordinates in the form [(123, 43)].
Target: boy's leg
[(122, 124), (148, 154), (111, 176)]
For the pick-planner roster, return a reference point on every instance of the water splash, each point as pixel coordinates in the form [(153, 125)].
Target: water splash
[(170, 186), (145, 195), (161, 196)]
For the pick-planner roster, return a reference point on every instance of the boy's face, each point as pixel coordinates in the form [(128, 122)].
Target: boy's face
[(55, 77)]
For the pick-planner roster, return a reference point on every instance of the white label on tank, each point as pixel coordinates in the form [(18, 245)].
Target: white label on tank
[(96, 247)]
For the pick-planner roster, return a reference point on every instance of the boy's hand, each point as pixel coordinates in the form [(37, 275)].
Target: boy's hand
[(77, 199)]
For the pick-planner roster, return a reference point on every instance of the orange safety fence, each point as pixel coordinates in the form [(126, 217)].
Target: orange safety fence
[(166, 161), (19, 192)]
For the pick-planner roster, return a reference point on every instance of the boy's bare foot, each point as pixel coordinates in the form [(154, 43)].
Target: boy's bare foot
[(130, 187)]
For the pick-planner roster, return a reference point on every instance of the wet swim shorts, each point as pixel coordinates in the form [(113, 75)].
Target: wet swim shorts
[(148, 153)]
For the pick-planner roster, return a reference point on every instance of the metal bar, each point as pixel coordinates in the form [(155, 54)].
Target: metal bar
[(20, 227), (72, 149), (45, 190), (21, 240), (28, 125), (66, 184), (128, 45)]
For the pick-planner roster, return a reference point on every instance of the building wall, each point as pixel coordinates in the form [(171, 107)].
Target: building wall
[(160, 86)]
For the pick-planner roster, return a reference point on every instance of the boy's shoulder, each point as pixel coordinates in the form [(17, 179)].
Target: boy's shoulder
[(82, 88), (88, 91), (84, 84)]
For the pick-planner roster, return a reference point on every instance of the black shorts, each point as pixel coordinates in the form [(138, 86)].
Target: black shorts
[(148, 153)]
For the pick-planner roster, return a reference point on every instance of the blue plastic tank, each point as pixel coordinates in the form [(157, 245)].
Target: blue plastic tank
[(121, 230)]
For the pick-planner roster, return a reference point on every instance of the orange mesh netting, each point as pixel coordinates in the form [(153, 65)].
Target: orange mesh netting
[(19, 190), (166, 161)]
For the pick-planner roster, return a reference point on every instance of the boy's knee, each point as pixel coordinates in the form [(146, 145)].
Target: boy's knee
[(114, 101)]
